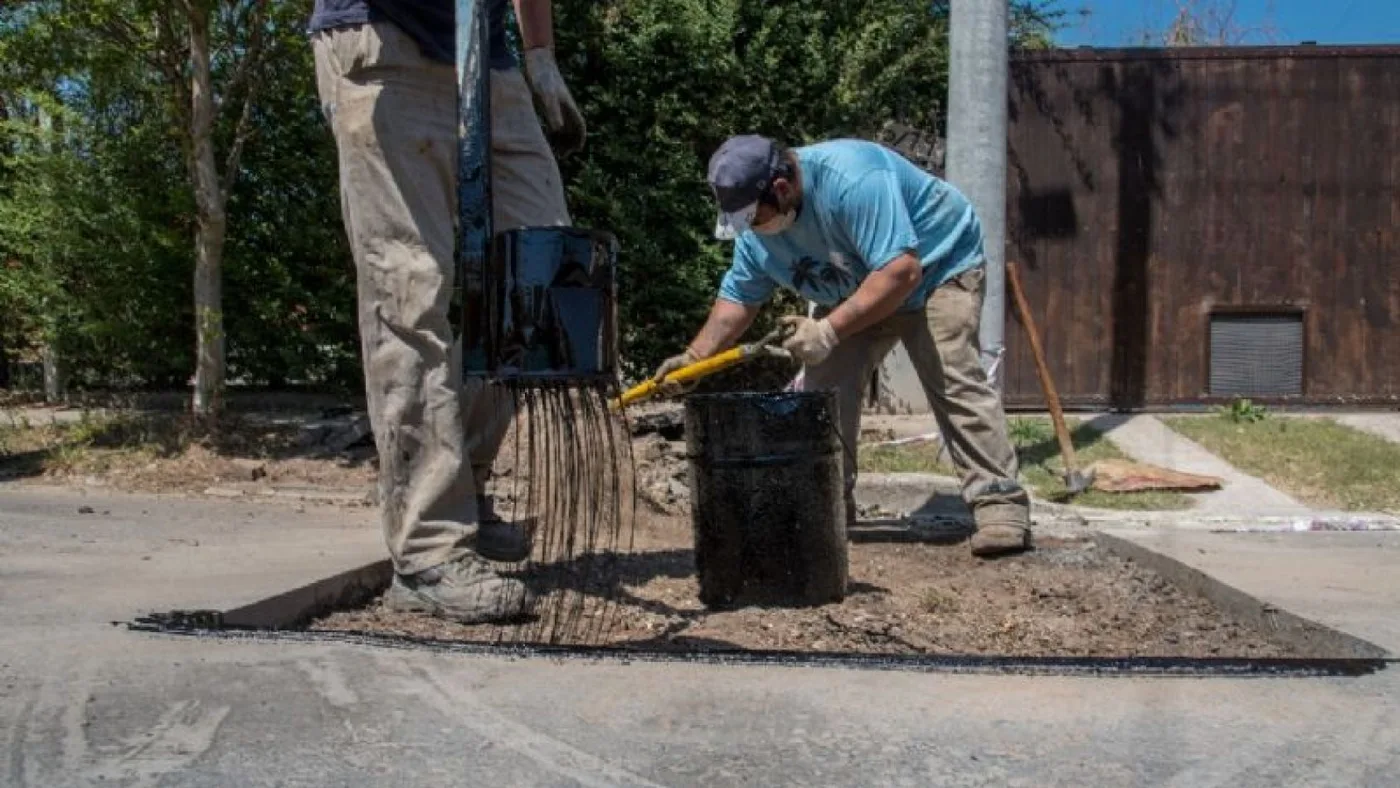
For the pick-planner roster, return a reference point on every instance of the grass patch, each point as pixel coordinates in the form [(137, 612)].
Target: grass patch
[(921, 457), (1316, 460), (93, 445), (1041, 466), (1043, 469), (939, 601)]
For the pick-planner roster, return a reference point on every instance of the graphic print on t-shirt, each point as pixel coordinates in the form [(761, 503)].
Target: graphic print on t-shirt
[(831, 277)]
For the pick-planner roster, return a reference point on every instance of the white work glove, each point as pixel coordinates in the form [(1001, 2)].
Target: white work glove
[(811, 341), (671, 365), (561, 115)]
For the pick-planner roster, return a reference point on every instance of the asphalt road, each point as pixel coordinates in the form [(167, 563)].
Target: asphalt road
[(85, 702)]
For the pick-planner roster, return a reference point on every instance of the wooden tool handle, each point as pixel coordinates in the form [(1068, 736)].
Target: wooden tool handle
[(1047, 384)]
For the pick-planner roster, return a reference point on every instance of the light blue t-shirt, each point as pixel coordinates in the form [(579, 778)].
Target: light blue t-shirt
[(863, 206)]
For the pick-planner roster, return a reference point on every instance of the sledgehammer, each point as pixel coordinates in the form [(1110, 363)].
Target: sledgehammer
[(1076, 480)]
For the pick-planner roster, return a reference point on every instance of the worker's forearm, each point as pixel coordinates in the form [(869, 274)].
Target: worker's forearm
[(536, 20), (878, 297), (727, 322)]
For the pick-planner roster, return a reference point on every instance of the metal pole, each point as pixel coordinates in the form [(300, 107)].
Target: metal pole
[(474, 232), (977, 96)]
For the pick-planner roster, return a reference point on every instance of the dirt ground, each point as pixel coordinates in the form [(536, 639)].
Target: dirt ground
[(1067, 598), (165, 453)]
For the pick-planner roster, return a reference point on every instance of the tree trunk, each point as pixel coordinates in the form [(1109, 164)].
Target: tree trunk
[(55, 387), (4, 358), (54, 384), (212, 225)]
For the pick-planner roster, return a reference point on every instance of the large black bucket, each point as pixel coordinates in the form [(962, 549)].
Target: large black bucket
[(543, 307), (767, 498)]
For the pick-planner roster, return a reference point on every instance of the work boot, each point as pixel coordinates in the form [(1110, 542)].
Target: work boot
[(997, 539), (1002, 513), (466, 590), (499, 540)]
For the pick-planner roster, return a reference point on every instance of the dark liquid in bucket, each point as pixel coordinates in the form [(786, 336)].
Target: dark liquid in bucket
[(768, 499)]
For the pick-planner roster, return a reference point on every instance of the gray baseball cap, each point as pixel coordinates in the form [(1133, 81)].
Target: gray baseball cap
[(740, 172)]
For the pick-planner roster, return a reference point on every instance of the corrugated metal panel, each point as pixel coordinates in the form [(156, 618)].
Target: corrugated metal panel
[(1256, 355)]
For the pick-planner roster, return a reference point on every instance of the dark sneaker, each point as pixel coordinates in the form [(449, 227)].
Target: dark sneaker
[(999, 539), (466, 590), (499, 540)]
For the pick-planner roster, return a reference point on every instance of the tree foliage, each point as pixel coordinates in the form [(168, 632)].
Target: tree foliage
[(115, 73), (664, 83), (98, 213), (1194, 23)]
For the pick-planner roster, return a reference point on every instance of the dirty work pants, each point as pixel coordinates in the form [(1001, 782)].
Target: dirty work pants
[(394, 117), (942, 344)]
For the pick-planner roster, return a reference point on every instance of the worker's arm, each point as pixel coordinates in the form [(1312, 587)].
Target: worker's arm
[(727, 322), (536, 20), (567, 130), (876, 222), (742, 292), (879, 296)]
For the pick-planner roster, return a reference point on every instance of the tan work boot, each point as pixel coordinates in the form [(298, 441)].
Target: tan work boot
[(997, 539), (466, 590)]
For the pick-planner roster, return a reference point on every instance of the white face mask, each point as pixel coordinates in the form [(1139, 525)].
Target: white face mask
[(777, 224)]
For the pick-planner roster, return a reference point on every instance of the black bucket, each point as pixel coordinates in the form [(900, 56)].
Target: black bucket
[(544, 307), (767, 498)]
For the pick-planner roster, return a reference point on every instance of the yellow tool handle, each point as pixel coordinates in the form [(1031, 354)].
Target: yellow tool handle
[(699, 369)]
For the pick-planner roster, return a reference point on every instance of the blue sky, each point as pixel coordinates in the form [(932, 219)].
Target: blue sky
[(1119, 22)]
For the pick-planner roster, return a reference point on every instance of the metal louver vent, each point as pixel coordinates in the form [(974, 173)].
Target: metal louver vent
[(1256, 355)]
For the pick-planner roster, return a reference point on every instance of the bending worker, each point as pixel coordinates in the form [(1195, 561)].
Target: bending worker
[(889, 253), (387, 83)]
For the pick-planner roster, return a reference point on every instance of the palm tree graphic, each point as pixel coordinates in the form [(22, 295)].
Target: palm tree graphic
[(836, 278), (804, 274)]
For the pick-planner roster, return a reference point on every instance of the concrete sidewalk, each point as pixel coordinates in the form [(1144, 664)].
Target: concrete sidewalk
[(69, 556), (1146, 439), (82, 701), (1382, 425)]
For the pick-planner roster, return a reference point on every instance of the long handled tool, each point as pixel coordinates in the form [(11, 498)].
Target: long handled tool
[(767, 346), (1076, 480)]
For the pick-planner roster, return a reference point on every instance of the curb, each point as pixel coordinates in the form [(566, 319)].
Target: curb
[(918, 495), (1242, 523), (910, 494), (296, 607), (330, 495)]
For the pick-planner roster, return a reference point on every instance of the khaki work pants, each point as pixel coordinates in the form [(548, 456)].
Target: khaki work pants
[(942, 344), (394, 117)]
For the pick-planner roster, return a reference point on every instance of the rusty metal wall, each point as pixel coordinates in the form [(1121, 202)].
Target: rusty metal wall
[(1149, 188)]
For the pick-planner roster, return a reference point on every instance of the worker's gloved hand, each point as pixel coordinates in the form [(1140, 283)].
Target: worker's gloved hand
[(672, 389), (811, 340), (561, 115)]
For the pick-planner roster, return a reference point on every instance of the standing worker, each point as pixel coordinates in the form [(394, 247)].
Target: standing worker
[(385, 72), (889, 253)]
